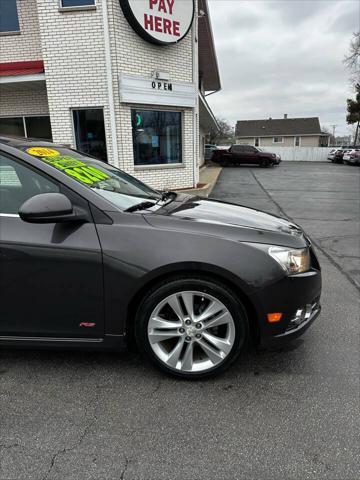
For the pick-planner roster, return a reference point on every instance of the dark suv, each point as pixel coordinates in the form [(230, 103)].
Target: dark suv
[(238, 154)]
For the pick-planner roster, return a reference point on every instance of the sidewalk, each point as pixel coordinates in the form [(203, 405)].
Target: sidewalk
[(208, 178)]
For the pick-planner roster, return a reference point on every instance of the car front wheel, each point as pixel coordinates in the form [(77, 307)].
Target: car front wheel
[(220, 161), (191, 327), (264, 163)]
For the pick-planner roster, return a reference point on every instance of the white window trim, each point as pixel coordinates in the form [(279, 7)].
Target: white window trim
[(76, 8), (297, 146), (155, 166), (10, 32), (282, 139)]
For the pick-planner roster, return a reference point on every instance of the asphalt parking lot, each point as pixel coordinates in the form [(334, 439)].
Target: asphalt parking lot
[(285, 413)]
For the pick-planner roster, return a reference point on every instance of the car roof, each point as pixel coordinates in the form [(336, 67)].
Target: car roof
[(18, 142)]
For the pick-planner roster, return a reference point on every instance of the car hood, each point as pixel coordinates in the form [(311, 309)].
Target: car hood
[(196, 209)]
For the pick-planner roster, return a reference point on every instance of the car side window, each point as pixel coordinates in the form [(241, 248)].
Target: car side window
[(237, 149), (250, 150), (18, 183)]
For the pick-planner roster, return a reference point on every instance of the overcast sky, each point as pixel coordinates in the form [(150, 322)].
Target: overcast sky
[(283, 56)]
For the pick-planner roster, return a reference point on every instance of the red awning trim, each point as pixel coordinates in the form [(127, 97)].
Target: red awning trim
[(10, 69)]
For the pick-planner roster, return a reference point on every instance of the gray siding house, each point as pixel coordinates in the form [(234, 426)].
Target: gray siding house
[(283, 132)]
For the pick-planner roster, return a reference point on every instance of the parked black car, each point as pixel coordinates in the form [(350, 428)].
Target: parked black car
[(245, 154), (92, 257)]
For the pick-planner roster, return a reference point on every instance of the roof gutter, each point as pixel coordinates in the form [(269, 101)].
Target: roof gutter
[(281, 135), (212, 93)]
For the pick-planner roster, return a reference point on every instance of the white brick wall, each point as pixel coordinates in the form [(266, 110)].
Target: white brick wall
[(74, 57), (132, 55), (26, 45), (20, 100), (73, 51)]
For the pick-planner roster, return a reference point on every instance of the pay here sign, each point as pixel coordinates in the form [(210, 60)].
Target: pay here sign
[(159, 21)]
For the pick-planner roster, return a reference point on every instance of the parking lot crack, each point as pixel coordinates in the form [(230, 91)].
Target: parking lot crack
[(122, 475), (4, 446), (157, 387), (317, 244), (79, 441)]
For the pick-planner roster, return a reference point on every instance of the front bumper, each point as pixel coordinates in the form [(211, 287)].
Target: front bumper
[(294, 331), (297, 297)]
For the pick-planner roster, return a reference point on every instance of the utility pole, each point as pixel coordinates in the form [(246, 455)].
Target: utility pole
[(334, 128)]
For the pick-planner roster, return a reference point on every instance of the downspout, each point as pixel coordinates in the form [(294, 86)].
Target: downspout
[(196, 82), (109, 82)]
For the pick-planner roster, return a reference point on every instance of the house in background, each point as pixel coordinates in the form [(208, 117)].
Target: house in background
[(283, 132)]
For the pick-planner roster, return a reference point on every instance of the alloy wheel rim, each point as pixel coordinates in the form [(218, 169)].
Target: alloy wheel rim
[(191, 331)]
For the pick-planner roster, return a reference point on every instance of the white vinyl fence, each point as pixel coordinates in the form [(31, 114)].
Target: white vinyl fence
[(301, 154)]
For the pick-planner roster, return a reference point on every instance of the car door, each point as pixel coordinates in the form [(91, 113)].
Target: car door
[(237, 153), (251, 154), (51, 281)]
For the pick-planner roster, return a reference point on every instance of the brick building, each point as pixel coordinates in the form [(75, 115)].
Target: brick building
[(87, 73)]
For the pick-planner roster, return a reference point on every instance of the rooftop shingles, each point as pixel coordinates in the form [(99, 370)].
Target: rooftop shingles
[(278, 127)]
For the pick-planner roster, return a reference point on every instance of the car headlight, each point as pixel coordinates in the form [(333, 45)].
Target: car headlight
[(291, 260)]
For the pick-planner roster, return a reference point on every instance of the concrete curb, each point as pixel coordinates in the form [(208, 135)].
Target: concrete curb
[(208, 178)]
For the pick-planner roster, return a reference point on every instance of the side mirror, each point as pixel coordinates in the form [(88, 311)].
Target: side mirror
[(49, 208)]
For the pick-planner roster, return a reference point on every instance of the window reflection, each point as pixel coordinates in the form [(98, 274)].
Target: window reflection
[(156, 137)]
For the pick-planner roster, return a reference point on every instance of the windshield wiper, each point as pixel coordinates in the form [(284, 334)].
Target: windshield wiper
[(166, 195), (140, 206)]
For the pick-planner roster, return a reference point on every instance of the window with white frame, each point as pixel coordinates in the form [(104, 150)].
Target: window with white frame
[(297, 142), (257, 142), (9, 19), (31, 126), (278, 140), (76, 3)]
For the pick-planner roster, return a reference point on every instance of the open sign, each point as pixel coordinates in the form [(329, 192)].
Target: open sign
[(163, 22)]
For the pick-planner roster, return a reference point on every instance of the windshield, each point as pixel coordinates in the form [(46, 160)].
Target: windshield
[(120, 188)]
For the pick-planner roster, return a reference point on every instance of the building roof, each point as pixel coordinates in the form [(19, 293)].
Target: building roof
[(208, 64), (208, 120), (278, 127), (10, 69)]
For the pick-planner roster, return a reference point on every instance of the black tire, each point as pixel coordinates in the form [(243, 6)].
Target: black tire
[(264, 163), (220, 161), (188, 283)]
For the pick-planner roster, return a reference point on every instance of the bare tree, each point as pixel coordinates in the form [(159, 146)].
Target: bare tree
[(224, 133), (352, 59), (329, 132)]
